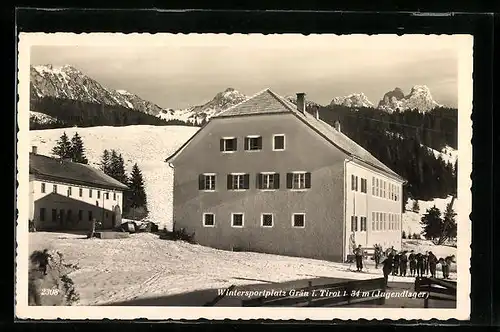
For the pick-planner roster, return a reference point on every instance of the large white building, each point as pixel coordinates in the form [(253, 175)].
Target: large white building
[(65, 195)]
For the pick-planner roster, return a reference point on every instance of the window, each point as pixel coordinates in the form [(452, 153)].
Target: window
[(278, 142), (373, 221), (253, 143), (107, 195), (206, 181), (114, 196), (237, 219), (377, 187), (228, 144), (208, 220), (98, 194), (363, 224), (90, 193), (96, 203), (363, 185), (268, 181), (54, 188), (107, 215), (42, 189), (42, 214), (54, 215), (80, 192), (385, 221), (266, 220), (238, 181), (354, 183), (384, 195), (80, 215), (354, 223), (90, 215), (299, 220), (298, 180), (69, 191), (373, 186)]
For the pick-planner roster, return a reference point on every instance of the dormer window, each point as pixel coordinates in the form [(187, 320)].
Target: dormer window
[(253, 143), (228, 144)]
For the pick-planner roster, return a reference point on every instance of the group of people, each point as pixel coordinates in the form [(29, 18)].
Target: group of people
[(398, 263)]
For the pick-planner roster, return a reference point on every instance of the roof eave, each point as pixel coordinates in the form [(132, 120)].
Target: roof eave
[(41, 176)]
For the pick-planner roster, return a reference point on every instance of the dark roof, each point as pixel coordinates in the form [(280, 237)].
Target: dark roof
[(268, 102), (44, 167)]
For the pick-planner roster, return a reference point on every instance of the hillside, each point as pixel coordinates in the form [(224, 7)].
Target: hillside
[(146, 145), (411, 220)]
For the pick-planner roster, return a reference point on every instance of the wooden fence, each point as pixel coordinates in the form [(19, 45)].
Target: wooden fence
[(438, 289), (370, 291)]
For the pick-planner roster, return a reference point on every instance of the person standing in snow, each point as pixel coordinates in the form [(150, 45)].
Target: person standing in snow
[(432, 264), (425, 270), (358, 252), (413, 263), (377, 254), (420, 264), (395, 264), (387, 267), (403, 264)]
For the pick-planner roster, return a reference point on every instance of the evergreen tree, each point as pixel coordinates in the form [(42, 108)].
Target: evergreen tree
[(78, 150), (416, 207), (449, 227), (63, 147), (118, 167), (137, 196), (105, 162), (432, 223)]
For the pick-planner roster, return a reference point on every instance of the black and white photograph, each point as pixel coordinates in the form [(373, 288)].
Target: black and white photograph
[(244, 176)]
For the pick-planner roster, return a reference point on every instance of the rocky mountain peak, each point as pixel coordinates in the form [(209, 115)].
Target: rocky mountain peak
[(352, 100), (419, 98)]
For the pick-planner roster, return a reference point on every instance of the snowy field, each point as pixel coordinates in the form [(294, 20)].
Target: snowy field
[(148, 146), (411, 220), (144, 266)]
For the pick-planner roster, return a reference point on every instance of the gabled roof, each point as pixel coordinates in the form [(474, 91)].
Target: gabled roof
[(44, 167), (268, 102)]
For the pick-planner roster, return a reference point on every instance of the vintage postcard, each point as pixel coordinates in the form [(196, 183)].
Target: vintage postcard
[(243, 176)]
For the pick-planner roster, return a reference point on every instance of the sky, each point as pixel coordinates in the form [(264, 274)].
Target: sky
[(177, 71)]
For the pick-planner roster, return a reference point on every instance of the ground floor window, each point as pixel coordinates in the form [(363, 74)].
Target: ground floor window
[(208, 220), (90, 215), (363, 224), (54, 215), (354, 223), (80, 215), (42, 214), (237, 219), (299, 220), (267, 220)]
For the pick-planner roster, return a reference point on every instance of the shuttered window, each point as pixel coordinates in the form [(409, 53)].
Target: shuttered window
[(238, 181), (354, 223), (206, 182), (228, 144), (253, 143), (268, 181), (298, 180)]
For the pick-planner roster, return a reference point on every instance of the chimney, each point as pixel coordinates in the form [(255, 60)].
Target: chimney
[(34, 149), (301, 102), (337, 125)]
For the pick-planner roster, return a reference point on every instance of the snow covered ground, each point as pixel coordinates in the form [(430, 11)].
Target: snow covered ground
[(148, 146), (411, 220), (144, 266)]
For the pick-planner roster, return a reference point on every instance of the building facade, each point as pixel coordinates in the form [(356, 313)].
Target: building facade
[(267, 176), (66, 196)]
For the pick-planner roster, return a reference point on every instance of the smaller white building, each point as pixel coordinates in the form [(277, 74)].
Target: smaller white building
[(66, 196)]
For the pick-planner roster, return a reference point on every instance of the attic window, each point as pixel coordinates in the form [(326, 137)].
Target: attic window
[(228, 144), (253, 143)]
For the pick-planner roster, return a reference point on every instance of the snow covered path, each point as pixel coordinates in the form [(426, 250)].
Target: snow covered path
[(145, 266)]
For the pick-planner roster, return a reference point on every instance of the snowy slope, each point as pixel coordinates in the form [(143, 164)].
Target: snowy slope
[(149, 146), (41, 118), (411, 220), (448, 154), (144, 266)]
